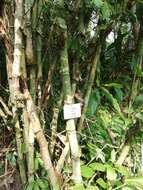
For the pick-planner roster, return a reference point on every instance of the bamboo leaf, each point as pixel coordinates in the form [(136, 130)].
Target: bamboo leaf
[(102, 183), (36, 187), (135, 181), (123, 170), (30, 185), (114, 102), (105, 10), (111, 174), (41, 183), (94, 101), (98, 166), (86, 171), (78, 187), (96, 3)]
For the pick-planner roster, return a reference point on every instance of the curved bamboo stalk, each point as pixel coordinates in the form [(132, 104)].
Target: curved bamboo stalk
[(40, 137)]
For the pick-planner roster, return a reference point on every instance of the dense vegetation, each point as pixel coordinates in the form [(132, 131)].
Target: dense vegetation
[(55, 53)]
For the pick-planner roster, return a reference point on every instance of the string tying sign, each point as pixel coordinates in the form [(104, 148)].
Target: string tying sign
[(72, 111)]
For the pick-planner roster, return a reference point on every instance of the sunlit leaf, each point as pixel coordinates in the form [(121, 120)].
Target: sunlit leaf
[(78, 187), (86, 171), (98, 166), (102, 183), (127, 188), (135, 181), (111, 173), (123, 170)]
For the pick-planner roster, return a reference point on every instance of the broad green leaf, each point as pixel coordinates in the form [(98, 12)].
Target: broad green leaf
[(30, 185), (123, 170), (36, 187), (97, 3), (111, 173), (117, 88), (45, 183), (78, 187), (41, 183), (93, 102), (118, 183), (98, 166), (102, 183), (135, 181), (105, 10), (113, 101), (86, 171)]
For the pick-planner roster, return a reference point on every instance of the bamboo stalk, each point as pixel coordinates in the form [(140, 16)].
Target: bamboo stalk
[(54, 123), (70, 125), (123, 155), (142, 157), (131, 133), (14, 88), (60, 163), (30, 160), (47, 88), (89, 87), (15, 83), (40, 137), (39, 49), (19, 148), (29, 134)]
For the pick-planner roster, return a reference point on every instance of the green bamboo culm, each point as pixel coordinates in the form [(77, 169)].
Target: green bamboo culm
[(68, 99)]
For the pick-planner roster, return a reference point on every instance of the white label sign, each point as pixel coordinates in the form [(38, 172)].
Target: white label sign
[(72, 111)]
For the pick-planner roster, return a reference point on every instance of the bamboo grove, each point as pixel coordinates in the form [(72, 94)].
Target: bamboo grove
[(55, 53)]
